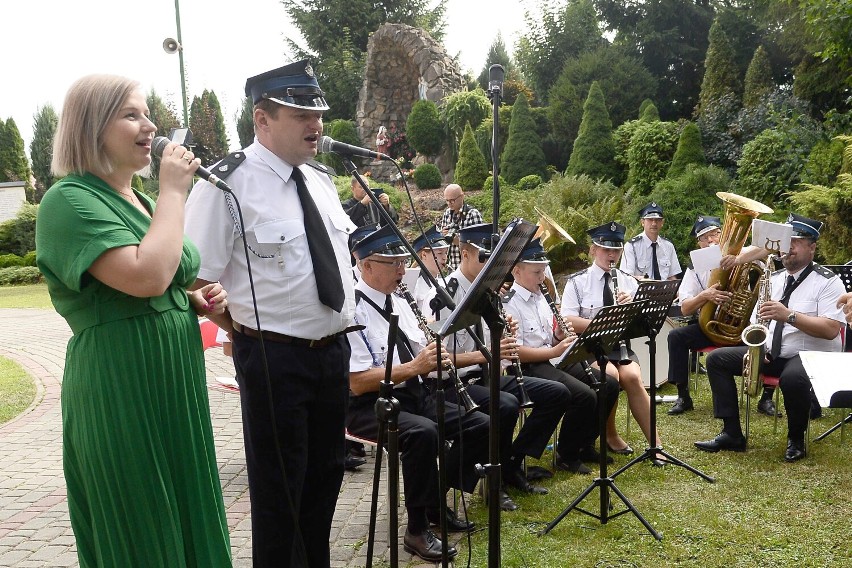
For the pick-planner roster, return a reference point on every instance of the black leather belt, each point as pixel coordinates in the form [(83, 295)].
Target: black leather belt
[(282, 338)]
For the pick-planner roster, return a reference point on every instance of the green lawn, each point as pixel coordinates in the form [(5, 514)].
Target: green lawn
[(760, 512), (16, 387)]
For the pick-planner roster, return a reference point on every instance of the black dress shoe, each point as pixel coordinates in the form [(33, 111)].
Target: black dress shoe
[(517, 480), (658, 462), (681, 405), (590, 455), (625, 451), (574, 466), (454, 524), (795, 451), (506, 503), (352, 463), (723, 441), (427, 546), (357, 449), (767, 406)]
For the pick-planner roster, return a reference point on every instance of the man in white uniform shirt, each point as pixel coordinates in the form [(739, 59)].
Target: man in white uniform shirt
[(803, 316), (382, 260), (649, 255), (432, 249), (297, 236)]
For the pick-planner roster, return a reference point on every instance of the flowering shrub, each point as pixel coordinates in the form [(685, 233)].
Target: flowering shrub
[(399, 147)]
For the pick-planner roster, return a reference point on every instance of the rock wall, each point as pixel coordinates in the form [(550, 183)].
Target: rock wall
[(403, 62)]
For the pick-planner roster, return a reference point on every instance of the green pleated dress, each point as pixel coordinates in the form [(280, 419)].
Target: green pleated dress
[(138, 452)]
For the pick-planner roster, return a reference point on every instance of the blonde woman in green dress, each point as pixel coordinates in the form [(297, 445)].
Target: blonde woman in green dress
[(138, 454)]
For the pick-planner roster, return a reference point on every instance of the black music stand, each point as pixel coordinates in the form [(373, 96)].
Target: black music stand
[(387, 413), (604, 331), (845, 273), (480, 302), (659, 295)]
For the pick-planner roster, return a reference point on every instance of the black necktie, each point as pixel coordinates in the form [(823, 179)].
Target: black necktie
[(403, 350), (326, 271), (608, 300), (654, 265), (779, 325)]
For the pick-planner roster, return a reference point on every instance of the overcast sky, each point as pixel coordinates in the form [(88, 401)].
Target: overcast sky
[(48, 44)]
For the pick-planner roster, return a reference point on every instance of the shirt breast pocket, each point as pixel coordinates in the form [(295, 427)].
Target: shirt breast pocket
[(807, 308), (344, 227), (284, 241)]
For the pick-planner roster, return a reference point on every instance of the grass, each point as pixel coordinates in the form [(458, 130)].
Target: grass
[(16, 387), (29, 296), (17, 390), (761, 511)]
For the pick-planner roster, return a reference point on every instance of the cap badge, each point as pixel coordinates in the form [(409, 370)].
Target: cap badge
[(613, 227), (653, 204), (790, 218), (309, 71), (700, 219)]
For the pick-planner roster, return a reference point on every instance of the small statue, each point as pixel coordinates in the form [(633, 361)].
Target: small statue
[(421, 88), (382, 140)]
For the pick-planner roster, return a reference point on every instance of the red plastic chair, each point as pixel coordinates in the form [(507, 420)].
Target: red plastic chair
[(209, 331)]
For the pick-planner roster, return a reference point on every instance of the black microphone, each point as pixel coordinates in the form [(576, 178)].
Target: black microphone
[(328, 144), (159, 144), (496, 73)]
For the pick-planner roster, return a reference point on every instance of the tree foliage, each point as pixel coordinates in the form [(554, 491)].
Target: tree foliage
[(523, 154), (688, 151), (497, 54), (41, 149), (17, 235), (594, 150), (462, 108), (556, 34), (245, 123), (208, 128), (652, 147), (470, 168), (758, 80), (830, 22), (165, 118), (721, 76), (424, 128), (14, 165)]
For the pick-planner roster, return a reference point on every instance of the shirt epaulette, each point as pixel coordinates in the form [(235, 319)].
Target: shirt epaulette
[(452, 287), (505, 298), (576, 274), (823, 271), (635, 239), (328, 170), (662, 238), (227, 166)]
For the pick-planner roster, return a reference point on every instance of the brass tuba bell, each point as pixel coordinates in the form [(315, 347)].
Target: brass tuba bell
[(550, 232)]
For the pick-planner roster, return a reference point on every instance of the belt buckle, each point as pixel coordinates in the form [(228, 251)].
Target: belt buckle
[(314, 343)]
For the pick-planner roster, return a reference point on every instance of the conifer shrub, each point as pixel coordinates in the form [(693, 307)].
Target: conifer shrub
[(427, 176), (424, 128), (529, 182), (523, 154), (471, 170)]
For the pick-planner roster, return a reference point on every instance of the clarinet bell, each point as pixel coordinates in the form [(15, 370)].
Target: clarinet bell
[(466, 401), (526, 402)]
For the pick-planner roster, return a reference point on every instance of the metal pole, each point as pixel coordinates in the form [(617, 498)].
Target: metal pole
[(180, 58)]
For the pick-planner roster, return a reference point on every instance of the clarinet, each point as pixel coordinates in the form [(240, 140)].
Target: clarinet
[(623, 356), (463, 396), (526, 401), (563, 325)]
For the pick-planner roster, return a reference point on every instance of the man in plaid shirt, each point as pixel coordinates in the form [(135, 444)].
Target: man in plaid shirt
[(458, 215)]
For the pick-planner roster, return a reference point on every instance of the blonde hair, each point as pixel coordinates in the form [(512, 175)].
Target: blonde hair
[(91, 102)]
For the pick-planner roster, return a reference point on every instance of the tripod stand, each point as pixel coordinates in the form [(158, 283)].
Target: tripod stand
[(603, 331), (659, 296)]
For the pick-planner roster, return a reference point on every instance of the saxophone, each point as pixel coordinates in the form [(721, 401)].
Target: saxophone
[(563, 325), (754, 336), (526, 401), (623, 355), (463, 396)]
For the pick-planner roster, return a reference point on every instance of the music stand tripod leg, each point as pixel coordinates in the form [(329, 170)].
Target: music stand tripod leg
[(847, 420)]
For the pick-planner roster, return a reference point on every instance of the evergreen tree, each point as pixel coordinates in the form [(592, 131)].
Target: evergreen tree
[(758, 79), (245, 123), (208, 128), (424, 129), (644, 105), (523, 154), (649, 113), (14, 165), (688, 151), (471, 170), (497, 54), (594, 149), (165, 118), (41, 149), (564, 112), (721, 75)]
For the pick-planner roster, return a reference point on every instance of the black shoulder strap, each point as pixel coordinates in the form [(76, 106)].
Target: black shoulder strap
[(452, 287), (508, 296), (327, 170), (227, 166)]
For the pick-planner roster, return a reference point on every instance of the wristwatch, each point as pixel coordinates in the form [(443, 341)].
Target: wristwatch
[(791, 319)]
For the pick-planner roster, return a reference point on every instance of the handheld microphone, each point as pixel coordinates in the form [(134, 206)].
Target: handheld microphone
[(159, 144), (328, 144)]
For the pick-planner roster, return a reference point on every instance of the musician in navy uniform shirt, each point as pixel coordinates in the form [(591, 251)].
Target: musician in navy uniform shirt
[(649, 255), (297, 234), (804, 316)]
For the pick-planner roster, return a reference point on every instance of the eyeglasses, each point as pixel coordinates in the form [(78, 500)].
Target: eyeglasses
[(453, 199), (394, 263)]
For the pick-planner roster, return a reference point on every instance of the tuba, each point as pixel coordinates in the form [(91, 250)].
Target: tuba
[(551, 235), (724, 324)]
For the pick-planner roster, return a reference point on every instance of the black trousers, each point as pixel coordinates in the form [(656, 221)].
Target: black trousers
[(550, 401), (418, 443), (309, 389), (681, 340), (727, 362), (580, 425)]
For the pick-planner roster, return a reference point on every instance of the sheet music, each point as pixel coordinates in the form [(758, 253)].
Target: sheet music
[(705, 259), (771, 236), (829, 372)]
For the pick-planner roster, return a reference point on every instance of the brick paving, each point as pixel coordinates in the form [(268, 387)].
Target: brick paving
[(35, 530)]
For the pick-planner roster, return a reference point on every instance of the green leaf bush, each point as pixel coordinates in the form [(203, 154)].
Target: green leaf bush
[(427, 176)]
